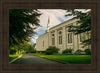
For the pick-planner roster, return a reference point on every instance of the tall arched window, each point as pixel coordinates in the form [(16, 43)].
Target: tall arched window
[(82, 37), (69, 37), (53, 39), (70, 34), (60, 37)]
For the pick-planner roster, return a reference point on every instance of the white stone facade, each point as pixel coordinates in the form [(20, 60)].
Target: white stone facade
[(60, 37)]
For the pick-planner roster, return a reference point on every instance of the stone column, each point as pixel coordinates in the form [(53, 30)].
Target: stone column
[(56, 36), (75, 41), (64, 38), (49, 39)]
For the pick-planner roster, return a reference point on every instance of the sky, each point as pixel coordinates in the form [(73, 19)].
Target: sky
[(57, 16)]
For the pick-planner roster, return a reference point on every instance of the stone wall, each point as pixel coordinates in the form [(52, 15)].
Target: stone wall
[(46, 39), (42, 42)]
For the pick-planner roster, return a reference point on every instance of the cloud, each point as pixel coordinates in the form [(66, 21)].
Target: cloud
[(33, 40), (57, 16)]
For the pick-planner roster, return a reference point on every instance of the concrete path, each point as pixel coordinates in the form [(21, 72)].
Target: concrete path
[(32, 59)]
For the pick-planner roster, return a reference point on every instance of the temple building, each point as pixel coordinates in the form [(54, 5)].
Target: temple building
[(60, 37)]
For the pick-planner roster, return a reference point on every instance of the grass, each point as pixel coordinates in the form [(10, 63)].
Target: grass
[(11, 57), (68, 59)]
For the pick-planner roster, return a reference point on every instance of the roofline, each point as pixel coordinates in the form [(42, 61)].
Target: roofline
[(58, 25), (62, 23), (42, 34)]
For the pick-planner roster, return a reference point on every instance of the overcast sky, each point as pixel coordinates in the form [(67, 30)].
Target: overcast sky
[(57, 16)]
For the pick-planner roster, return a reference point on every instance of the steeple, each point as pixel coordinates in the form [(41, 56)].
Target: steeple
[(48, 23)]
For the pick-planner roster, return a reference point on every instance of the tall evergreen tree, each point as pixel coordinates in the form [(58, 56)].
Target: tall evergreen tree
[(84, 19), (22, 23)]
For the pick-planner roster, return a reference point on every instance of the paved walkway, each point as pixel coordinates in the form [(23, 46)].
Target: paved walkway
[(32, 59)]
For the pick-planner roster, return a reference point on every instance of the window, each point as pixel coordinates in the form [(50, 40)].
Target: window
[(69, 37), (60, 32), (82, 37), (52, 34), (53, 39), (60, 37)]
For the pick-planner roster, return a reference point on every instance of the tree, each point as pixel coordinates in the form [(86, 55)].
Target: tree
[(34, 45), (84, 19), (22, 23)]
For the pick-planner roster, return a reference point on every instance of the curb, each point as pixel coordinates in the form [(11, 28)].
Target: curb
[(15, 59), (52, 60)]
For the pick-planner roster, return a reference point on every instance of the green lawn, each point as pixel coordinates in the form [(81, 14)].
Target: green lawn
[(70, 59), (11, 57)]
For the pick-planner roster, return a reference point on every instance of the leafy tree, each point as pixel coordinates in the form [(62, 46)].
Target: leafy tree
[(13, 49), (84, 19), (22, 23), (34, 45), (21, 48)]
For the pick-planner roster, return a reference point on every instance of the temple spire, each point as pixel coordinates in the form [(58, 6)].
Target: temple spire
[(48, 23)]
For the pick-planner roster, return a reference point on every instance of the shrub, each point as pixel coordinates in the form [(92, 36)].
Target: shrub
[(31, 51), (43, 52), (78, 52), (13, 51), (67, 51), (87, 51), (51, 50)]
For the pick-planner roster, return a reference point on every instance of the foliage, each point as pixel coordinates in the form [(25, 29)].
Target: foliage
[(84, 19), (31, 51), (22, 23), (11, 57), (21, 48), (78, 52), (34, 45), (51, 50), (87, 51), (43, 52), (13, 50), (67, 51)]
